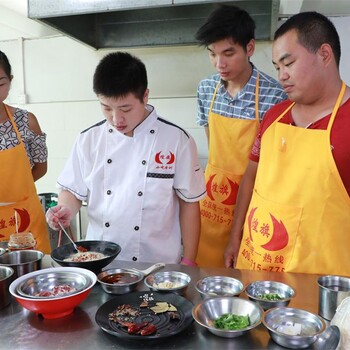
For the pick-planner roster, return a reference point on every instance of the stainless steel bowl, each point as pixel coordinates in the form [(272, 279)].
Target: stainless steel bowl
[(168, 281), (6, 278), (218, 286), (122, 281), (283, 322), (109, 283), (206, 312), (2, 251), (332, 290), (37, 286), (22, 261), (256, 290)]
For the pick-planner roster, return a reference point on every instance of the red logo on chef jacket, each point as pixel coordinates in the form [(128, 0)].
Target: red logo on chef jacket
[(224, 191), (267, 231), (165, 160)]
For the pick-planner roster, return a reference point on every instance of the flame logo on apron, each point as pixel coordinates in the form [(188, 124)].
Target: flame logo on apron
[(279, 238), (24, 221), (230, 191)]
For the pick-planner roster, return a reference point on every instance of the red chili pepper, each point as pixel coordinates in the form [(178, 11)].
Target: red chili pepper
[(149, 329), (136, 327)]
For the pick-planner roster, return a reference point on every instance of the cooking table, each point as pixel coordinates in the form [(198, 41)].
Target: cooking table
[(22, 329)]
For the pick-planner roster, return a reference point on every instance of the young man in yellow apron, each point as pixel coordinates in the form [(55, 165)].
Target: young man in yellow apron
[(296, 213), (231, 104)]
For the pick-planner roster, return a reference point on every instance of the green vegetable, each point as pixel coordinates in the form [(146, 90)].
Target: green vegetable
[(270, 296), (232, 322)]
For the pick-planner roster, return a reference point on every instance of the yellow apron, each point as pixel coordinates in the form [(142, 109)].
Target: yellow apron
[(17, 187), (230, 141), (298, 217)]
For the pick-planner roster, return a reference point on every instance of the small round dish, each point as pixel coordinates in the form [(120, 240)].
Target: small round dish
[(122, 281), (119, 281), (218, 286), (266, 293), (293, 328), (209, 310), (168, 281)]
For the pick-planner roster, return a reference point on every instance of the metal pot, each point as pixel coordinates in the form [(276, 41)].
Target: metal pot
[(332, 290), (132, 279), (6, 277), (22, 261)]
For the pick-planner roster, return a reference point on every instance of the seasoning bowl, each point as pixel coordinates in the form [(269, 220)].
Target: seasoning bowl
[(109, 249), (60, 306), (122, 281), (168, 281), (22, 261), (6, 277), (261, 291), (293, 328), (218, 286), (209, 310), (52, 285)]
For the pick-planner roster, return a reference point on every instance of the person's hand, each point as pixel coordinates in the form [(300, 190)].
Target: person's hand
[(231, 254), (188, 262), (57, 214)]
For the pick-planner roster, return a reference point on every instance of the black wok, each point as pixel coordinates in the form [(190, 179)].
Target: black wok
[(110, 249)]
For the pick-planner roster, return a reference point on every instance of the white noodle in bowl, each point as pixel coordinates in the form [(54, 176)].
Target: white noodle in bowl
[(85, 256)]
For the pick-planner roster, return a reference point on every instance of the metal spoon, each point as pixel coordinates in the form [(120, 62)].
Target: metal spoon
[(329, 339), (68, 236), (78, 249)]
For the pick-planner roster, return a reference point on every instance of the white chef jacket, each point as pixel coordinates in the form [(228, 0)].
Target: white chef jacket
[(132, 184)]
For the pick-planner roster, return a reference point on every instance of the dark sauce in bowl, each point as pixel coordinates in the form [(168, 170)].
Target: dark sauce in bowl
[(120, 278)]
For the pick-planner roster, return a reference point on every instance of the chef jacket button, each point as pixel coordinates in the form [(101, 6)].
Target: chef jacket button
[(139, 193), (109, 161), (110, 130), (152, 131), (136, 228), (109, 192), (134, 258), (144, 162), (107, 224)]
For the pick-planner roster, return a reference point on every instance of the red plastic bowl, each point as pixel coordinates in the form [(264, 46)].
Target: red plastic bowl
[(54, 307)]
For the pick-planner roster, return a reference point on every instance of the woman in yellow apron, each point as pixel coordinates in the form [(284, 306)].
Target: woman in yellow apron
[(18, 193), (20, 208)]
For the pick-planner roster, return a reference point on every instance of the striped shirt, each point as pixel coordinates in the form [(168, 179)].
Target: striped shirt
[(242, 106)]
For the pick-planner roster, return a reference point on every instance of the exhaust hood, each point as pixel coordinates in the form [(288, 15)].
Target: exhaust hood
[(142, 23)]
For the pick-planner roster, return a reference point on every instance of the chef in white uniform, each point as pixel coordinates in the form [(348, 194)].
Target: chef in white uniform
[(138, 173)]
